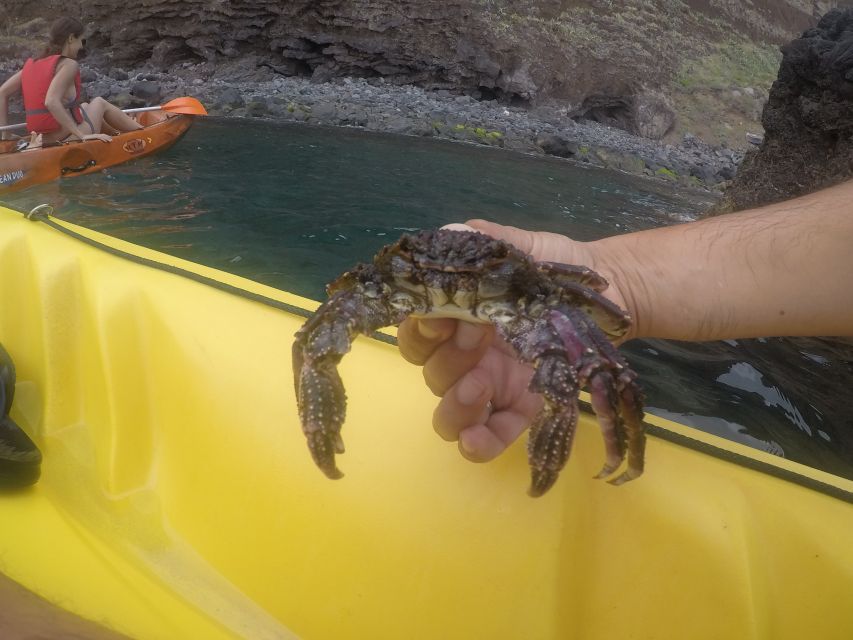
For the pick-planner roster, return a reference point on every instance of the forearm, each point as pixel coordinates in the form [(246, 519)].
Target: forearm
[(784, 269), (8, 89), (4, 115), (63, 117)]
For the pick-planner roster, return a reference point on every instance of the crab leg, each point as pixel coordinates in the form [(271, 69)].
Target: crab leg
[(632, 433), (605, 408), (574, 330), (552, 431), (631, 408), (574, 274), (320, 344), (616, 399), (591, 371), (581, 287)]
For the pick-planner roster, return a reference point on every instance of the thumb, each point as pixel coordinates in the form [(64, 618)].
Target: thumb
[(524, 240), (542, 245)]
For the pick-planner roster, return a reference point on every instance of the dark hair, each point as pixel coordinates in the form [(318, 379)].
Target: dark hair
[(59, 32)]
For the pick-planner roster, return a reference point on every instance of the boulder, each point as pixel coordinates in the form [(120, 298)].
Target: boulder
[(147, 90), (808, 119), (652, 115), (557, 146), (229, 99)]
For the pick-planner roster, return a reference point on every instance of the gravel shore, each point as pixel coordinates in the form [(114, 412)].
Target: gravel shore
[(408, 110)]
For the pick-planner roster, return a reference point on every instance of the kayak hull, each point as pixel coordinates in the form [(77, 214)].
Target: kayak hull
[(178, 497), (22, 169)]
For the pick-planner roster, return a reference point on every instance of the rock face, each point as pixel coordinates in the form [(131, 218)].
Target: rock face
[(808, 119), (600, 60)]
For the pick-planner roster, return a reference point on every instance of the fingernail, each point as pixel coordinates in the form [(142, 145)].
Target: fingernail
[(465, 447), (458, 226), (468, 336), (470, 390), (427, 330)]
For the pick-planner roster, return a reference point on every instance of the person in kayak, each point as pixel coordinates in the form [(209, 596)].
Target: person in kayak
[(51, 89), (779, 270)]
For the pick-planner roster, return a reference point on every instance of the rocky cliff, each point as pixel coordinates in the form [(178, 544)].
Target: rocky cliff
[(808, 119), (643, 65)]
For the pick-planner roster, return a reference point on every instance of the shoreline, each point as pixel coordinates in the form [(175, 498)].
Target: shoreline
[(409, 110), (376, 105)]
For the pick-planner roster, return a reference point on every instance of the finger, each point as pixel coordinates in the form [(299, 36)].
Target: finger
[(478, 443), (456, 357), (463, 405), (542, 245), (485, 442), (418, 338)]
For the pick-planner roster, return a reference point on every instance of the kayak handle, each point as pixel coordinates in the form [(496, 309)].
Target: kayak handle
[(79, 168)]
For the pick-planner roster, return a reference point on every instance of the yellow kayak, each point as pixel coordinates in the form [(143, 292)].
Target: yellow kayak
[(177, 497)]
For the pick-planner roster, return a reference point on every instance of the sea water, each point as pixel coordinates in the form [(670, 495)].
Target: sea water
[(292, 206)]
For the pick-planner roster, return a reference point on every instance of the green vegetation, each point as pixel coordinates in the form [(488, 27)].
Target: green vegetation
[(710, 95), (732, 64), (701, 56), (482, 134), (292, 107)]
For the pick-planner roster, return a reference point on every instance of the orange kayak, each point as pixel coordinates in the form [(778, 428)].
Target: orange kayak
[(21, 169)]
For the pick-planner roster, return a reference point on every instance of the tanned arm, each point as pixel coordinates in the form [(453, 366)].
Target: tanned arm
[(782, 270), (62, 80), (7, 90)]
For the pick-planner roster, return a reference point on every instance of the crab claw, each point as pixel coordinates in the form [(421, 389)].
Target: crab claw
[(355, 306), (322, 407), (552, 432), (322, 404), (549, 445)]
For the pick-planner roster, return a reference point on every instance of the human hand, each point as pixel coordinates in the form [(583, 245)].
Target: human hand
[(485, 404), (553, 247), (103, 137)]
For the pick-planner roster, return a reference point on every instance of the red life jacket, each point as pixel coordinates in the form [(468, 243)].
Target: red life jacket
[(36, 77)]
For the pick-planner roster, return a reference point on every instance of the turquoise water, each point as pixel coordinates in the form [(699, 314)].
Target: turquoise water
[(293, 206)]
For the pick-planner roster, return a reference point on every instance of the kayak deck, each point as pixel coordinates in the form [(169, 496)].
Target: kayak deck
[(178, 498), (22, 169)]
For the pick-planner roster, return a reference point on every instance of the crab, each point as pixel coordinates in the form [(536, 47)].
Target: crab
[(553, 315)]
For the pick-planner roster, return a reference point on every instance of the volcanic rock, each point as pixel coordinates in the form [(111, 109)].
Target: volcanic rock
[(808, 119)]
